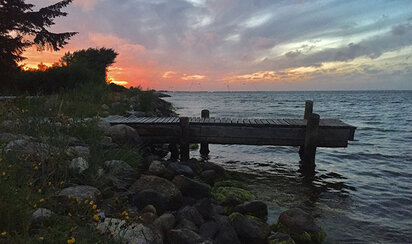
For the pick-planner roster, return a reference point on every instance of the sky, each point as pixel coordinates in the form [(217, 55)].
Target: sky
[(234, 45)]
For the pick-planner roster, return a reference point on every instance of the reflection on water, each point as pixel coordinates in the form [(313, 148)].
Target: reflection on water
[(359, 194)]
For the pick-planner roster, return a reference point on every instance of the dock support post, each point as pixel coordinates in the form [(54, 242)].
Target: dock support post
[(308, 111), (174, 151), (184, 140), (204, 146), (311, 138)]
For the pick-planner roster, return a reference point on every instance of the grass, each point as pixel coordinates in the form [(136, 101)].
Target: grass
[(28, 182)]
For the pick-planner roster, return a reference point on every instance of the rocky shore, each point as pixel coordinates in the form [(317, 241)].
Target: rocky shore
[(157, 201)]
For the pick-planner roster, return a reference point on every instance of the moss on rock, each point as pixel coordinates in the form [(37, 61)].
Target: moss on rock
[(229, 195)]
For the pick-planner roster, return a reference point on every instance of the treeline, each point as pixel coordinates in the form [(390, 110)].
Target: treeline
[(73, 70)]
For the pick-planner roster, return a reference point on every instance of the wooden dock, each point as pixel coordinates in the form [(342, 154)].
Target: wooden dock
[(308, 133)]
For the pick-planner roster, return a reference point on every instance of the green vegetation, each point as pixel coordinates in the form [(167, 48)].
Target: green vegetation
[(32, 180), (229, 194)]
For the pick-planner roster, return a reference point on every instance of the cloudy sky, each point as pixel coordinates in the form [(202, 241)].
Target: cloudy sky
[(245, 44)]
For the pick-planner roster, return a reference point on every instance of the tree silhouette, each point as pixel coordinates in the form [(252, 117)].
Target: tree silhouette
[(21, 27)]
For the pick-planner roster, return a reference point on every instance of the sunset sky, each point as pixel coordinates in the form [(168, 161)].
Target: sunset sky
[(253, 45)]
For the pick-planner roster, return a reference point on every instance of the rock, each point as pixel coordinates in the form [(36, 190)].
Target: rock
[(208, 209), (120, 174), (180, 169), (280, 238), (209, 230), (10, 124), (210, 176), (105, 107), (230, 195), (217, 168), (35, 150), (134, 233), (79, 151), (191, 188), (255, 208), (250, 230), (115, 104), (157, 168), (79, 164), (148, 218), (149, 159), (187, 224), (81, 192), (104, 126), (226, 233), (156, 190), (41, 213), (7, 137), (190, 213), (137, 114), (300, 226), (184, 236), (123, 134), (165, 222), (149, 209)]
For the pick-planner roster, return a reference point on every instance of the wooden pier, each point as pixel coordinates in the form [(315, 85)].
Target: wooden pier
[(308, 133)]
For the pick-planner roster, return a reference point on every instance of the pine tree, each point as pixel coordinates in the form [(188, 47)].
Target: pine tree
[(22, 27)]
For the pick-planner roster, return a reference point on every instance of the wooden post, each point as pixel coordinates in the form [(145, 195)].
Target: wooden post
[(311, 138), (174, 151), (308, 108), (184, 140), (308, 111), (204, 146)]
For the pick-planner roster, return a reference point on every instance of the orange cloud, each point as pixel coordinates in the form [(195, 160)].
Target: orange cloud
[(193, 77), (169, 74)]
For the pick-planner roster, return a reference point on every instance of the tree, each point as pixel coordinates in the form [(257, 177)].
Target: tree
[(95, 60), (21, 27)]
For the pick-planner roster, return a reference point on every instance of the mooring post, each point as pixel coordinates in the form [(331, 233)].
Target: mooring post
[(311, 139), (308, 111), (184, 140), (204, 146)]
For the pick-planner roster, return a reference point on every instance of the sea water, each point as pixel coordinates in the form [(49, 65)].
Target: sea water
[(360, 194)]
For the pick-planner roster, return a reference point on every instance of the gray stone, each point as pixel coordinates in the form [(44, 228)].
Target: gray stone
[(280, 238), (255, 208), (300, 226), (79, 151), (191, 188), (184, 236), (210, 176), (250, 230), (105, 107), (164, 189), (120, 174), (165, 222), (41, 213), (157, 168), (226, 233), (10, 124), (82, 192), (134, 233), (34, 150), (190, 213), (149, 209), (79, 165), (209, 230), (7, 137), (180, 169), (208, 208), (124, 134)]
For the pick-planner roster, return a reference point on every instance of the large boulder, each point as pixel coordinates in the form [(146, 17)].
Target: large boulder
[(191, 188), (120, 174), (41, 214), (165, 222), (134, 233), (300, 226), (181, 169), (78, 151), (164, 194), (226, 233), (124, 134), (280, 238), (157, 168), (7, 137), (184, 236), (190, 213), (208, 208), (230, 195), (81, 192), (28, 148), (209, 230), (255, 208), (250, 229)]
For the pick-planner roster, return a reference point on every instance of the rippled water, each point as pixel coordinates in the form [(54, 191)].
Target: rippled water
[(361, 194)]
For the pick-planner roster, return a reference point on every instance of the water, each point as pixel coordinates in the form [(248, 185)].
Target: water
[(361, 194)]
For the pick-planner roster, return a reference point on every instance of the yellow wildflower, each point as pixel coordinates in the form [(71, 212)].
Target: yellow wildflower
[(71, 240), (39, 190), (49, 183), (36, 167), (30, 183), (98, 210), (98, 227), (4, 173), (35, 206), (94, 206), (91, 202), (40, 238), (70, 214), (127, 217), (96, 218), (112, 233), (3, 233), (86, 201), (41, 200), (73, 228)]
